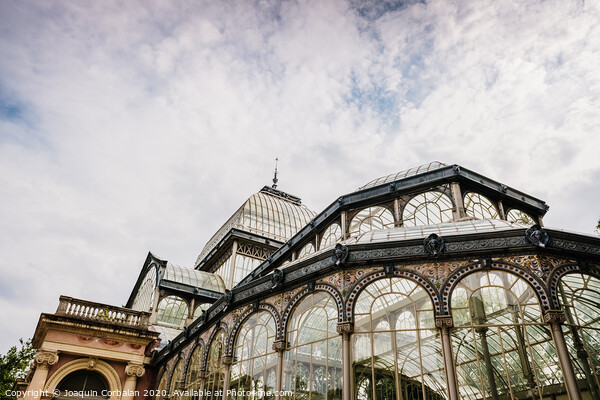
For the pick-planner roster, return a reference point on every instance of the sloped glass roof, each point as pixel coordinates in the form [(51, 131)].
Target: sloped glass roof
[(403, 174), (266, 214), (167, 334), (445, 229), (192, 277)]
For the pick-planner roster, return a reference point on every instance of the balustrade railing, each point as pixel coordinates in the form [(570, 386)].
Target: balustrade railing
[(97, 312)]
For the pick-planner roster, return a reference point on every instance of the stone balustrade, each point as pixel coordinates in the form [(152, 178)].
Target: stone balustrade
[(97, 312)]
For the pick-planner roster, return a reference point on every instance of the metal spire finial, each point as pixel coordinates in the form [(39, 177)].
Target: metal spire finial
[(275, 180)]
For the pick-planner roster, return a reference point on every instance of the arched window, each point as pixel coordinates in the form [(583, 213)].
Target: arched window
[(253, 371), (427, 209), (331, 235), (309, 248), (519, 216), (161, 390), (579, 296), (193, 377), (176, 388), (145, 295), (172, 310), (396, 350), (215, 369), (83, 384), (501, 348), (479, 207), (371, 218), (313, 364)]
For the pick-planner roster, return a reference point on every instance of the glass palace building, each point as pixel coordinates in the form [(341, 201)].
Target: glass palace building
[(433, 283)]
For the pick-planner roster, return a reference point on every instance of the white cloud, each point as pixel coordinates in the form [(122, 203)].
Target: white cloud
[(129, 127)]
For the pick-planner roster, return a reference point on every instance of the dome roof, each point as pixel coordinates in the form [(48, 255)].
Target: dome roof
[(403, 174), (270, 213)]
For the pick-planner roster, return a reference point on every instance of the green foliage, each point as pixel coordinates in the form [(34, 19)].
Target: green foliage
[(598, 228), (14, 365)]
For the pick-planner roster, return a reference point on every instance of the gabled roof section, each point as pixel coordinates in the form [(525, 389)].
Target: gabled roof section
[(391, 186), (177, 279), (270, 213), (403, 174), (195, 278)]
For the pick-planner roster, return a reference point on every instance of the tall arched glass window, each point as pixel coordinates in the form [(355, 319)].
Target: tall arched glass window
[(176, 388), (331, 235), (253, 371), (579, 296), (193, 377), (172, 310), (479, 206), (371, 218), (501, 348), (161, 389), (427, 209), (313, 364), (396, 348), (215, 369)]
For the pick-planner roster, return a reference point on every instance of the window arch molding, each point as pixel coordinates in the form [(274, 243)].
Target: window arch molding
[(304, 293), (415, 277), (536, 284), (382, 213), (102, 367), (560, 272), (218, 328), (244, 317), (514, 214), (479, 206), (436, 197), (170, 299), (188, 362)]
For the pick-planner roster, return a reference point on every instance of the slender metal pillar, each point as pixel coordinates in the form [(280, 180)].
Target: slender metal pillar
[(279, 346), (556, 318), (445, 323), (227, 361), (480, 319), (346, 329), (582, 355)]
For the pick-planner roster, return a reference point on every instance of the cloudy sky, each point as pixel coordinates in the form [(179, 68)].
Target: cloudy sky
[(128, 127)]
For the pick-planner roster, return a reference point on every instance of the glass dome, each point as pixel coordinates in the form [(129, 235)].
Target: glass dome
[(269, 213)]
